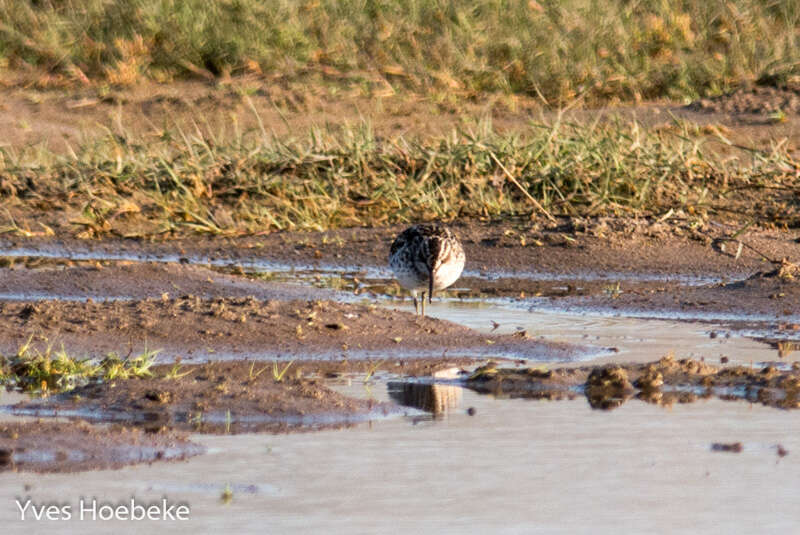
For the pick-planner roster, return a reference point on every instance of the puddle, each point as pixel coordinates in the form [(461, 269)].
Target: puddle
[(716, 316), (540, 467), (633, 339), (515, 466)]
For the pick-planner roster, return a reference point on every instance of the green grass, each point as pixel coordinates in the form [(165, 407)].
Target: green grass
[(50, 371), (207, 183), (553, 50)]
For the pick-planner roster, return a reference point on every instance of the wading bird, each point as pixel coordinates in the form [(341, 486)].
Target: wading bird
[(426, 258)]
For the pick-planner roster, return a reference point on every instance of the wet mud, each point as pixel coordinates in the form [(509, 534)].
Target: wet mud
[(42, 278), (663, 382), (771, 296), (192, 327), (46, 446)]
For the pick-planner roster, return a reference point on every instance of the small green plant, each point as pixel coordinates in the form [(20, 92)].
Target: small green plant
[(777, 116), (278, 375), (175, 373), (49, 370), (114, 367), (613, 290), (372, 369), (196, 419), (254, 374)]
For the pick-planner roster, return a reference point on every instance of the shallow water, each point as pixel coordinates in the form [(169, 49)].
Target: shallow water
[(635, 339), (517, 466)]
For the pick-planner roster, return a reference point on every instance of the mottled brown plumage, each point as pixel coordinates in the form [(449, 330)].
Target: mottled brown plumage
[(426, 258)]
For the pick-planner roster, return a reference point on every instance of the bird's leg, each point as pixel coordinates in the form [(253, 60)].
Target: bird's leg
[(416, 304), (423, 304)]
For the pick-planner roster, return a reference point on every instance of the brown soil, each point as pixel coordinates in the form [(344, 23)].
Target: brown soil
[(40, 446), (65, 118), (193, 327), (112, 280), (219, 397), (663, 382), (763, 294)]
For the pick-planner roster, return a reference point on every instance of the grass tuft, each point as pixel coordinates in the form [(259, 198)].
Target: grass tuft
[(48, 371)]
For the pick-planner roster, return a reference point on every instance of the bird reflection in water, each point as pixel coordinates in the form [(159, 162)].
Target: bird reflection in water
[(437, 399)]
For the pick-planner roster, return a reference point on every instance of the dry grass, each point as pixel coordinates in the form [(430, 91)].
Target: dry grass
[(555, 50), (204, 183)]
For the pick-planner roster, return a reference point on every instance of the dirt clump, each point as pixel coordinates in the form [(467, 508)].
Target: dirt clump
[(40, 446), (607, 387), (785, 270), (663, 382)]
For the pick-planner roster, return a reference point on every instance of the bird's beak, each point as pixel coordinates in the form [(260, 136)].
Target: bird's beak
[(430, 285)]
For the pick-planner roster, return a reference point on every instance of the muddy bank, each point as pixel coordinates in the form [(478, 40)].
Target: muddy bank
[(68, 279), (664, 382), (40, 446), (221, 397), (768, 296), (195, 328)]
